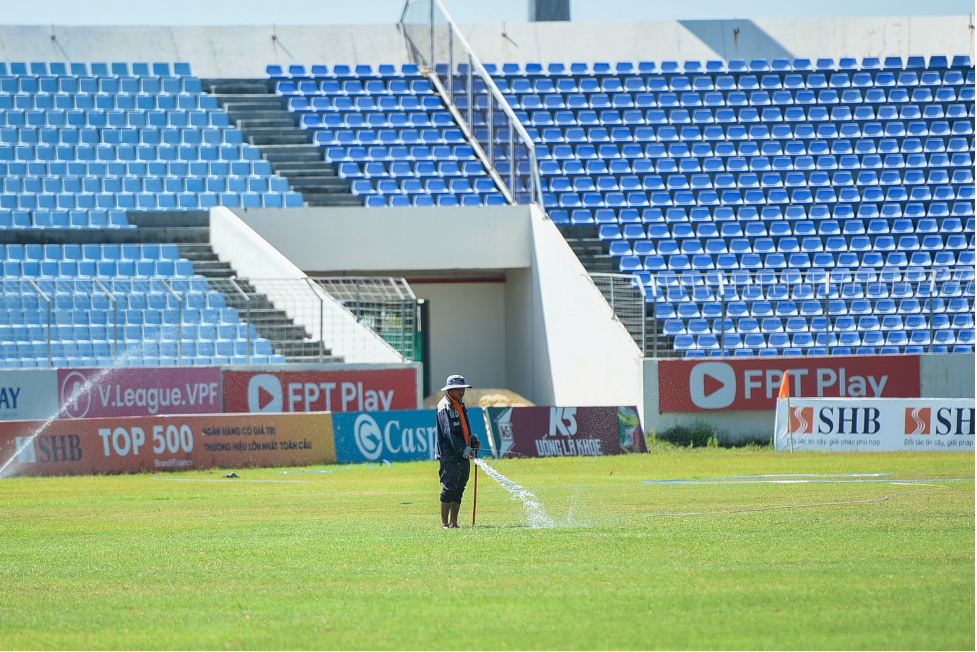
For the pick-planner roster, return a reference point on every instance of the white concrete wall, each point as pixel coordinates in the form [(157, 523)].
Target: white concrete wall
[(360, 240), (254, 258), (245, 51), (592, 360), (467, 331), (947, 376), (941, 376), (539, 326)]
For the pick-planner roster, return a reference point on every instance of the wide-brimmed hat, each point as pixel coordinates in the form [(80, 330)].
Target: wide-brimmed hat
[(455, 382)]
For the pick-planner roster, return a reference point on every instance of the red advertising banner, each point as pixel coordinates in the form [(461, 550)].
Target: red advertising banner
[(564, 431), (130, 392), (753, 384), (354, 390), (170, 443)]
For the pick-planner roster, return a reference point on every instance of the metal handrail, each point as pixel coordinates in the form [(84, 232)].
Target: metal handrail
[(454, 34)]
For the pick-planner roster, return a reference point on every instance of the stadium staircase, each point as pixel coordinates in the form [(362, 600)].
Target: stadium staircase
[(265, 121), (292, 341)]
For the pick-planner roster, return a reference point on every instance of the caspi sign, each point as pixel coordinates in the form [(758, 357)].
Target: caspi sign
[(397, 436)]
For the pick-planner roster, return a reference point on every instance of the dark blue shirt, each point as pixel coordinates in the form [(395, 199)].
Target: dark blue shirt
[(450, 443)]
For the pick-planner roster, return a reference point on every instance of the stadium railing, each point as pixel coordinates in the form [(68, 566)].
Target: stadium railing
[(439, 49)]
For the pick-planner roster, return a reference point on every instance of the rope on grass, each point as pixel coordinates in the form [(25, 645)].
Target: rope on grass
[(778, 507)]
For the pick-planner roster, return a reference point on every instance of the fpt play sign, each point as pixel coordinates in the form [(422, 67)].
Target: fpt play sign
[(353, 390), (693, 386)]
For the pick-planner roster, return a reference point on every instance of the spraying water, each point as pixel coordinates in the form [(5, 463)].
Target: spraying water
[(534, 510), (79, 390)]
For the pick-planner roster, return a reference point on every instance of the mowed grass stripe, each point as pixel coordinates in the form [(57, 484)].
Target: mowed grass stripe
[(354, 558)]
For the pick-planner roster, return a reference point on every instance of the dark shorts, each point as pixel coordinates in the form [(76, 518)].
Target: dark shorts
[(454, 477)]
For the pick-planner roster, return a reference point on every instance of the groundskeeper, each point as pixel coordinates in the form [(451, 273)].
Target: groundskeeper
[(456, 447)]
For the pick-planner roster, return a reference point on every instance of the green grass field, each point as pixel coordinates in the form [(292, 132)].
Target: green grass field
[(353, 557)]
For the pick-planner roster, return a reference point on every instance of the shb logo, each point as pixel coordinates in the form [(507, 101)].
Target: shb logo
[(802, 420), (918, 421), (75, 399), (264, 394), (368, 437), (712, 385)]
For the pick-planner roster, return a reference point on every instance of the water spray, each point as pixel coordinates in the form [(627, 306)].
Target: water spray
[(534, 510)]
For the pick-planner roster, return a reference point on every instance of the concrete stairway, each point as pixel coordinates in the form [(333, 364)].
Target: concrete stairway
[(286, 337), (593, 255), (265, 121)]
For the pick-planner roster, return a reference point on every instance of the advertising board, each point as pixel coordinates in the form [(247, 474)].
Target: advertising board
[(562, 431), (28, 394), (183, 442), (131, 391), (875, 424), (397, 436), (352, 390), (753, 383)]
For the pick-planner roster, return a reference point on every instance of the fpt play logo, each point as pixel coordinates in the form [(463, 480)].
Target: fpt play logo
[(712, 385), (264, 394), (918, 421)]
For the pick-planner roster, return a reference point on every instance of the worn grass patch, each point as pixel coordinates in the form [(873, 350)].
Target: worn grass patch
[(354, 558)]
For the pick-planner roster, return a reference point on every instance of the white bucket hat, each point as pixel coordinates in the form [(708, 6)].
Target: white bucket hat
[(455, 382)]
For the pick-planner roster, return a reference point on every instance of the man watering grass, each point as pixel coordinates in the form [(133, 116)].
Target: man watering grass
[(456, 446)]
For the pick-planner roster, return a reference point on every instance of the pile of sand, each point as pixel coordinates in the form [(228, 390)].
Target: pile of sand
[(484, 398)]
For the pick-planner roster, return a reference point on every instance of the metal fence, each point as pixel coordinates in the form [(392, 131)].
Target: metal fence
[(836, 307), (386, 306), (438, 48), (628, 303), (106, 322)]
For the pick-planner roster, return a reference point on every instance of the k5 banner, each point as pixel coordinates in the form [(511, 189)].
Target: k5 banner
[(119, 445), (562, 431), (345, 390), (874, 424), (397, 436), (753, 384)]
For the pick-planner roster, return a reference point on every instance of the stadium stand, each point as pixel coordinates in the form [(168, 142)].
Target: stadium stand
[(762, 188), (81, 149), (764, 207), (389, 133)]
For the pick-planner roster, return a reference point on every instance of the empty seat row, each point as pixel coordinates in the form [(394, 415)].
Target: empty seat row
[(183, 116), (81, 69), (90, 103), (122, 169), (90, 85), (353, 87), (750, 82), (408, 169), (365, 103), (750, 115), (777, 261), (852, 98), (936, 62), (342, 71), (610, 229), (427, 200), (89, 252)]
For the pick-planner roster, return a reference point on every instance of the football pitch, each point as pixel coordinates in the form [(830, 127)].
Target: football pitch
[(762, 550)]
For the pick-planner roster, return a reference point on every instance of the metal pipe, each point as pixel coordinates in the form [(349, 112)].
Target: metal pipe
[(932, 292)]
